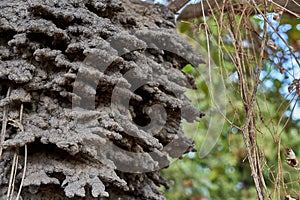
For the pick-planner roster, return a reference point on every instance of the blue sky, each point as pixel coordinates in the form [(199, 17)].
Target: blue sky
[(284, 57)]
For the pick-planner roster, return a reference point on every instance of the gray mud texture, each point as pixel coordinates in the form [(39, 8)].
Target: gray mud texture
[(92, 92)]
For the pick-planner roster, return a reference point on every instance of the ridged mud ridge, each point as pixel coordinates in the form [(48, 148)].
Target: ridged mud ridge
[(71, 68)]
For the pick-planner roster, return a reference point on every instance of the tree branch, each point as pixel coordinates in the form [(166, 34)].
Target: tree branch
[(195, 10), (176, 5)]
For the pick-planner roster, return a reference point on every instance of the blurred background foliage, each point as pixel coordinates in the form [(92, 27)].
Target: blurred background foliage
[(225, 173)]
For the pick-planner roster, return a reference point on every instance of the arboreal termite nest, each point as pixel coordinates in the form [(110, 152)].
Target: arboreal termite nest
[(75, 151)]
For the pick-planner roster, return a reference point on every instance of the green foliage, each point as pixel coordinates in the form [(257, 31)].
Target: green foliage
[(225, 172)]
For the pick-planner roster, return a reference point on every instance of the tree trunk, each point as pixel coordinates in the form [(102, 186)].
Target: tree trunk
[(91, 98)]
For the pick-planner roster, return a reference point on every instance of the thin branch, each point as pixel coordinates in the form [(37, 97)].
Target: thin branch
[(25, 157), (4, 123), (12, 177)]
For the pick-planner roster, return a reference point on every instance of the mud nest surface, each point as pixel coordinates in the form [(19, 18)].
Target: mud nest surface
[(94, 91)]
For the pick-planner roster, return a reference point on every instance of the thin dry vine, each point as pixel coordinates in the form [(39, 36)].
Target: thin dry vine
[(232, 22)]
